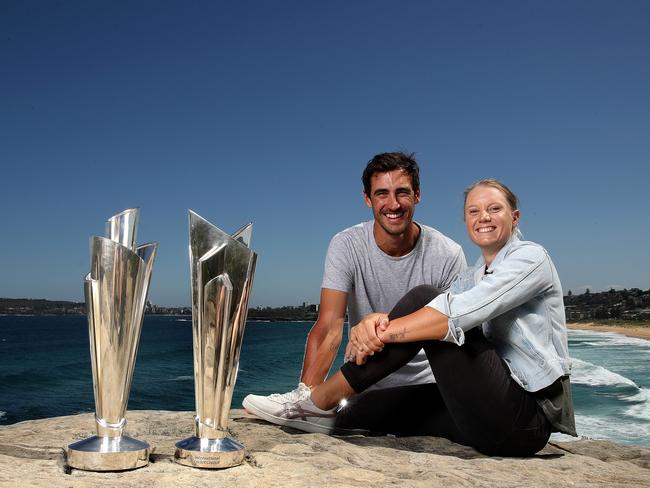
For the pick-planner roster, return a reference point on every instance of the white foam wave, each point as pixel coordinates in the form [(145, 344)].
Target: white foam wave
[(586, 373), (641, 409), (183, 320), (608, 338), (2, 414), (183, 378), (595, 344), (558, 437), (593, 427)]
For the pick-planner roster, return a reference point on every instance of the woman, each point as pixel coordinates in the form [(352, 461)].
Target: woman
[(496, 342)]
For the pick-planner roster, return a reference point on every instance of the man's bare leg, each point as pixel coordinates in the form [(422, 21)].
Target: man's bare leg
[(327, 395)]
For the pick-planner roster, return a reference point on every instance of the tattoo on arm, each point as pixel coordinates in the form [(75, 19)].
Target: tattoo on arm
[(334, 347), (398, 336)]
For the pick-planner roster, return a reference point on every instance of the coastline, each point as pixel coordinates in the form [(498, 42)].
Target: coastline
[(636, 331)]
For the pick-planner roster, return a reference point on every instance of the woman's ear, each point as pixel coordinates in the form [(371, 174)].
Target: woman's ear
[(515, 218)]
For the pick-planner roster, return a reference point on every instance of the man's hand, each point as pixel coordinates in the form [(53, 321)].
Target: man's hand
[(364, 336), (352, 355)]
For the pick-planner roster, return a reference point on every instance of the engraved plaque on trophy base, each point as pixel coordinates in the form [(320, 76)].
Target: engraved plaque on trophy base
[(209, 453)]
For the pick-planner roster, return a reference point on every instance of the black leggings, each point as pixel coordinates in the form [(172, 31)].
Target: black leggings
[(474, 401)]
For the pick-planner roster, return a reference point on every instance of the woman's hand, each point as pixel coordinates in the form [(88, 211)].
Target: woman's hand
[(426, 324), (364, 336)]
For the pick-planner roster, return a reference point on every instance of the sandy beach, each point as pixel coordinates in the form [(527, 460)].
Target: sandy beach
[(638, 331)]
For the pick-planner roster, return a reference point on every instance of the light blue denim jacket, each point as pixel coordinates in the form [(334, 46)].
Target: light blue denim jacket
[(519, 303)]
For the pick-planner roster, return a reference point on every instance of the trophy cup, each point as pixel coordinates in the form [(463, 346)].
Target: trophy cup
[(222, 269), (116, 293)]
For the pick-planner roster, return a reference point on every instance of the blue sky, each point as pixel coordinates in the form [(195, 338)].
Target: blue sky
[(268, 112)]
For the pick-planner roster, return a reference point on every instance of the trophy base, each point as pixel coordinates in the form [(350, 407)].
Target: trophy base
[(209, 453), (108, 454)]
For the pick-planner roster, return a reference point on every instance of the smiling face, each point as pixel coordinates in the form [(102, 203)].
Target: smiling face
[(489, 219), (392, 200)]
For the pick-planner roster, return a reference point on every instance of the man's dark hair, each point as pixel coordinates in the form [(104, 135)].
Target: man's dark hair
[(384, 162)]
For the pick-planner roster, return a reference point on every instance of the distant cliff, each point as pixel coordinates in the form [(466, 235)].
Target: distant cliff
[(631, 305), (621, 305), (39, 306)]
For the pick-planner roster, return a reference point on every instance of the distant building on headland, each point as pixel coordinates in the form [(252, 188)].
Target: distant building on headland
[(304, 312), (632, 304)]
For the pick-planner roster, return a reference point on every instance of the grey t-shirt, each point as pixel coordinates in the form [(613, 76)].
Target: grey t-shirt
[(375, 281)]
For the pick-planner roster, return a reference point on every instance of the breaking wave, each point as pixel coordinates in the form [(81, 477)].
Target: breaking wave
[(641, 407), (602, 428), (585, 373)]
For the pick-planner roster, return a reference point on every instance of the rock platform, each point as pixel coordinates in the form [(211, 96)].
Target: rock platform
[(32, 454)]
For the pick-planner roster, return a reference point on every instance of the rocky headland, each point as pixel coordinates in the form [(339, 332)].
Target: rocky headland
[(32, 454)]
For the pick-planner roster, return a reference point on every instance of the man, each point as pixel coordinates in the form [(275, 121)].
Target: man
[(368, 268)]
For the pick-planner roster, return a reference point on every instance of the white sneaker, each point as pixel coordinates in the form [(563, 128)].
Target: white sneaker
[(293, 409)]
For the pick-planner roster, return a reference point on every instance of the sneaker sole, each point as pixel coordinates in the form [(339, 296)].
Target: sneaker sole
[(298, 424)]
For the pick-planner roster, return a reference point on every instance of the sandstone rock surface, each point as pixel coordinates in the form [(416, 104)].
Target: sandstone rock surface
[(32, 454)]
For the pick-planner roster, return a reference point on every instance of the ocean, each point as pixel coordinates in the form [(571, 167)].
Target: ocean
[(45, 371)]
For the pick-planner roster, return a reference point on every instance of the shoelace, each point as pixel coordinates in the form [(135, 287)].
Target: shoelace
[(299, 393)]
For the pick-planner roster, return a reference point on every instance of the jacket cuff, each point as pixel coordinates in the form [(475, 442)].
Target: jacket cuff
[(454, 334)]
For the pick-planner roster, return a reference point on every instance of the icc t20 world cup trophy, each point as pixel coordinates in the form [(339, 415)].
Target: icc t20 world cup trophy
[(116, 293), (222, 269)]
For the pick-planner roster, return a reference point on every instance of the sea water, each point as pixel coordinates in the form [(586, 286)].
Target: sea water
[(45, 371), (611, 386), (45, 368)]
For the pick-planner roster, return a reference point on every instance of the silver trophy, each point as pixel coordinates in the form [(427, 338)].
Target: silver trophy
[(222, 269), (116, 293)]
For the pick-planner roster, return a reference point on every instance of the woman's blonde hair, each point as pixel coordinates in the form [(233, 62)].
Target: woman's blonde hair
[(511, 198)]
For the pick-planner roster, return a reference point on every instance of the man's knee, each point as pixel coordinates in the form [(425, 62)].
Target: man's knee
[(423, 294), (414, 300)]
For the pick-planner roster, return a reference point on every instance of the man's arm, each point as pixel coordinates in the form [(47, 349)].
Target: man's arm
[(325, 337)]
